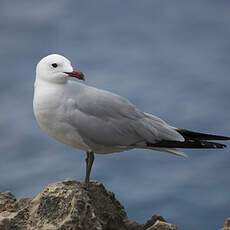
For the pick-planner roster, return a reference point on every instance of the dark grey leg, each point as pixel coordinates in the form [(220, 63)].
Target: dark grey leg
[(89, 162)]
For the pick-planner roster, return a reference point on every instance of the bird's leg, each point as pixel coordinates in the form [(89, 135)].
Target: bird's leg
[(89, 162)]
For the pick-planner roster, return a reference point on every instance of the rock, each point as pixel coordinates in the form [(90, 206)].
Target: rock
[(226, 224), (160, 225), (7, 201), (68, 205), (152, 221)]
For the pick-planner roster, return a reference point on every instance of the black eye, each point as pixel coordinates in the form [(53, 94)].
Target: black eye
[(55, 65)]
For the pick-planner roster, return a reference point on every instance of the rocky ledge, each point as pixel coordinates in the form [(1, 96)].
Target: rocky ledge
[(68, 205)]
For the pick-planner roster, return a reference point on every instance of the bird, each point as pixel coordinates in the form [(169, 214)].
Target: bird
[(97, 121)]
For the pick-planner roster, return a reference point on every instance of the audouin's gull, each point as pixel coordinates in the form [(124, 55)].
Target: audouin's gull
[(98, 121)]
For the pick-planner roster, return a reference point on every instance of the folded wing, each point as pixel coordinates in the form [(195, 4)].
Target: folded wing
[(106, 119)]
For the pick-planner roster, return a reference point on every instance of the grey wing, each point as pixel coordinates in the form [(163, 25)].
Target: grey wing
[(106, 119)]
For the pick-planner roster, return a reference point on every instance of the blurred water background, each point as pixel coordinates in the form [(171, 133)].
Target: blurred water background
[(170, 58)]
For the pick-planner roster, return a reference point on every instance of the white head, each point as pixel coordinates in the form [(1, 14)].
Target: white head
[(57, 69)]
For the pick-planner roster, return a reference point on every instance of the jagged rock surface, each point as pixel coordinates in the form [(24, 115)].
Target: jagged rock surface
[(226, 224), (68, 205)]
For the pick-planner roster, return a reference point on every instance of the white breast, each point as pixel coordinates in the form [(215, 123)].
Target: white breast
[(49, 106)]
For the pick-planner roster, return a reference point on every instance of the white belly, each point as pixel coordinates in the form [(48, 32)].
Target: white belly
[(52, 109), (50, 117)]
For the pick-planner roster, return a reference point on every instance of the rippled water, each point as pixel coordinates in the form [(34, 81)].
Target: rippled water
[(170, 58)]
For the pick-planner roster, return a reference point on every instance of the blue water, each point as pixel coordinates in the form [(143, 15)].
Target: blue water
[(170, 58)]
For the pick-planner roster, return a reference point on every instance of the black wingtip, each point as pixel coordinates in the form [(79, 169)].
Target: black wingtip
[(188, 144), (219, 146), (187, 134)]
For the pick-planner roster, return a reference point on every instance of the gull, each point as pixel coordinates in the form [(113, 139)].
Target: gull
[(98, 121)]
